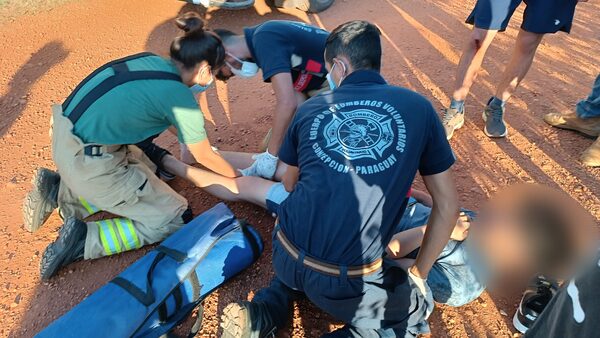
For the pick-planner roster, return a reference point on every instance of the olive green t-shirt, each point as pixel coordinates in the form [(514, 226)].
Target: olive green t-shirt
[(137, 110)]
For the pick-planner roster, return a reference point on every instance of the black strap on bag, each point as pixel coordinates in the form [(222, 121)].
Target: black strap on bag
[(251, 239), (144, 297), (122, 75)]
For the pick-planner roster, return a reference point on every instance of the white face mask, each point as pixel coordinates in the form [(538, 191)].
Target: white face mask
[(248, 70)]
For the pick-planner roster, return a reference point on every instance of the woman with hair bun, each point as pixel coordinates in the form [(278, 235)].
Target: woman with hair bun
[(94, 134)]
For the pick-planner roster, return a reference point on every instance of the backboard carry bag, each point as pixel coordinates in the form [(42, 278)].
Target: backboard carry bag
[(161, 289)]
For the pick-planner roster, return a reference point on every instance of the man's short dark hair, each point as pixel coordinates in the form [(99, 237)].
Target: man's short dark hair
[(359, 41)]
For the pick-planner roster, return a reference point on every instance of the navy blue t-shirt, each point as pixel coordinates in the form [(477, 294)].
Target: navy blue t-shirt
[(358, 149), (289, 47)]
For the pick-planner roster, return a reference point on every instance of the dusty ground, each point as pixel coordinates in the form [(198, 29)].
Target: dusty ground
[(47, 51)]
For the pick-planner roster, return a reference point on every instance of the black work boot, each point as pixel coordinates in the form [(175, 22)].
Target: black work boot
[(66, 249), (41, 200), (156, 155), (247, 320)]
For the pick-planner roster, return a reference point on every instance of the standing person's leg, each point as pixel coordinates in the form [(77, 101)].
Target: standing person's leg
[(488, 17), (591, 156), (470, 64), (590, 107), (586, 120), (515, 71), (540, 17), (520, 62)]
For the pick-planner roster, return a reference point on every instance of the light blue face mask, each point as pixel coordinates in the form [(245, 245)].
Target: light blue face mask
[(332, 84), (197, 88)]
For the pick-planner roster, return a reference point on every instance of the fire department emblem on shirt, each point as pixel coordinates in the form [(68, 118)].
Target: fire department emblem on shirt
[(360, 133)]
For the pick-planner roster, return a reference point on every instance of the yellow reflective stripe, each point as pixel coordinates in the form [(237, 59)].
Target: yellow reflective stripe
[(113, 235), (124, 237), (136, 241), (103, 239), (86, 205)]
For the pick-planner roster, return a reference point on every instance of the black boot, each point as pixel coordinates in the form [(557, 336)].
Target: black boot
[(247, 320), (156, 155), (41, 201), (67, 248)]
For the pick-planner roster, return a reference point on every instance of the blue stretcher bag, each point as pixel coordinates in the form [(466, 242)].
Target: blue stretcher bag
[(161, 289)]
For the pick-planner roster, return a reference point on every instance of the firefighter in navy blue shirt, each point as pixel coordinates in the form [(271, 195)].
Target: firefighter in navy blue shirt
[(352, 154), (290, 55)]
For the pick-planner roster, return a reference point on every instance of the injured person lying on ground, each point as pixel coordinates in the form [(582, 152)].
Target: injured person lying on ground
[(452, 279), (522, 233)]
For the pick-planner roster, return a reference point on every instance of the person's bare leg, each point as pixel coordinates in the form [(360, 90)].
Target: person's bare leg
[(241, 160), (471, 60), (254, 190), (520, 62), (405, 242), (246, 189), (466, 73), (215, 184)]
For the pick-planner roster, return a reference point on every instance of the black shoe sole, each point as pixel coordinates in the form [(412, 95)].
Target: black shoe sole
[(35, 204), (58, 253)]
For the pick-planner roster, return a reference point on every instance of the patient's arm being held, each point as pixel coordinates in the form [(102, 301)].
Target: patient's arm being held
[(204, 154), (290, 178), (442, 221)]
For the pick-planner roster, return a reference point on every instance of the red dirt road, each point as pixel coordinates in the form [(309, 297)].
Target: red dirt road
[(46, 54)]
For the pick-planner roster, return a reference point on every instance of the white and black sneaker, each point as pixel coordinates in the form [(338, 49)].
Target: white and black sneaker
[(535, 299)]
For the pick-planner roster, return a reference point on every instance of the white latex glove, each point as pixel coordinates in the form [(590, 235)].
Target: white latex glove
[(421, 284), (264, 166)]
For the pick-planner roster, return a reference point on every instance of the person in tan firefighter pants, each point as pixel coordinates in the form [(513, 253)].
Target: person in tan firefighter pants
[(94, 133)]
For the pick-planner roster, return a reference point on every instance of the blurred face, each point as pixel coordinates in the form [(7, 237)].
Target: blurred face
[(514, 245), (502, 246)]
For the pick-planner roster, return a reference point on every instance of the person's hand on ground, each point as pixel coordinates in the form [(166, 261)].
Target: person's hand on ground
[(264, 166), (461, 230), (421, 284)]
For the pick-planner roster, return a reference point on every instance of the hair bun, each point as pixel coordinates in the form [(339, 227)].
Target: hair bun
[(190, 23)]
